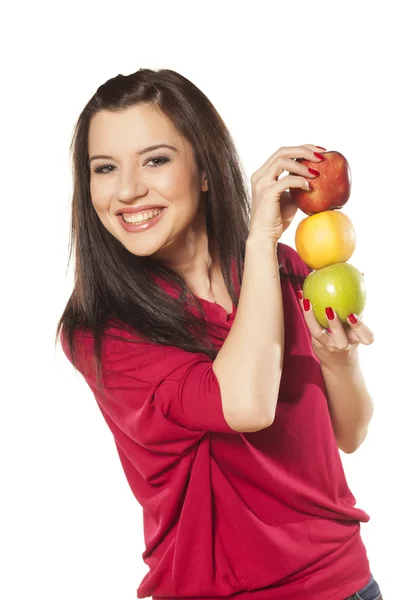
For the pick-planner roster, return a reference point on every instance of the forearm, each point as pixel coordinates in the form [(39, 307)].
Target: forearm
[(249, 364), (350, 404)]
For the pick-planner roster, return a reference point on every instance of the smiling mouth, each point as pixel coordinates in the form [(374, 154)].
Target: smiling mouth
[(140, 217)]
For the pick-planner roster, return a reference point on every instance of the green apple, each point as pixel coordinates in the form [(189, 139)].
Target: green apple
[(340, 286)]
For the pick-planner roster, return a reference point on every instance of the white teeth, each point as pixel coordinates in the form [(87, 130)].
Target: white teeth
[(140, 217)]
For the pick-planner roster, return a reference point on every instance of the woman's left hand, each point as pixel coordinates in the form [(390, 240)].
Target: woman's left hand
[(337, 347)]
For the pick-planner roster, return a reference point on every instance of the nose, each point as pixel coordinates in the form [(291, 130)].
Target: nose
[(131, 186)]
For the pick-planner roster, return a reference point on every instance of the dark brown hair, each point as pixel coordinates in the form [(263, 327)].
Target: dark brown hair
[(113, 286)]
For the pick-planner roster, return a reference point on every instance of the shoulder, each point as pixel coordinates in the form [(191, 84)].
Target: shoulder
[(127, 355), (290, 262)]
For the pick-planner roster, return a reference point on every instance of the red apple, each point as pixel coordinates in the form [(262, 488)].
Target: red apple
[(329, 190)]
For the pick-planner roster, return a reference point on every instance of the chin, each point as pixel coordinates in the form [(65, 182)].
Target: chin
[(144, 249)]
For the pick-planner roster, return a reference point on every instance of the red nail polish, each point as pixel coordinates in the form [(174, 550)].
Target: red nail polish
[(329, 329), (322, 148), (319, 156), (300, 295), (306, 304), (314, 172), (352, 319), (329, 313)]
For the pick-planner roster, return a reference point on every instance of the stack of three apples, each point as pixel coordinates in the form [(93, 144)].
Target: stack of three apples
[(326, 240)]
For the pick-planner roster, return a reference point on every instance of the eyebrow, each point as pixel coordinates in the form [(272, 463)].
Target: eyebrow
[(148, 149)]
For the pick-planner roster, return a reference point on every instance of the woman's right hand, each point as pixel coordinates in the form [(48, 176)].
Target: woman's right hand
[(272, 208)]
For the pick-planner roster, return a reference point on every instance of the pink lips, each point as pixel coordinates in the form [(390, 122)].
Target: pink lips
[(136, 227)]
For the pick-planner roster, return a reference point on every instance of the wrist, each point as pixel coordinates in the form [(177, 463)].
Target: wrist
[(261, 240), (341, 365)]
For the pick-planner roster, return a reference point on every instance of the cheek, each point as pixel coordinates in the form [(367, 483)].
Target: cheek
[(185, 194), (185, 209), (101, 205), (98, 195)]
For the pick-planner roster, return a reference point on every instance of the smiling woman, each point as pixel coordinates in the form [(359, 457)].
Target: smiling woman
[(176, 321)]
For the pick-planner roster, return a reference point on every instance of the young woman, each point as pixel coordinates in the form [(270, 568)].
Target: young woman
[(227, 401)]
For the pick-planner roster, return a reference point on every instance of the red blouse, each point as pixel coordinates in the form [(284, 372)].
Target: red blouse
[(262, 516)]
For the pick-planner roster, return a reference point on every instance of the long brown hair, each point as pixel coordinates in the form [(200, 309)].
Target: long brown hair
[(112, 285)]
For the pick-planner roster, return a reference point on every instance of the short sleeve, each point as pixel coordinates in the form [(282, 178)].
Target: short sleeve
[(291, 261), (153, 390)]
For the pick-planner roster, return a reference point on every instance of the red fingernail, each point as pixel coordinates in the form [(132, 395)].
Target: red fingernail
[(306, 304), (352, 319), (322, 148), (300, 295), (319, 156), (314, 172), (329, 313), (329, 329)]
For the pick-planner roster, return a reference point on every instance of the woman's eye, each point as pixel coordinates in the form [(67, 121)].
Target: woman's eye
[(163, 160), (160, 160), (101, 169)]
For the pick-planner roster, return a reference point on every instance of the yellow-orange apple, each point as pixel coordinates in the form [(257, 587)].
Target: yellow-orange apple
[(329, 190), (325, 238)]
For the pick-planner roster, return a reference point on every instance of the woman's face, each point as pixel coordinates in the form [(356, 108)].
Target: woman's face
[(132, 176)]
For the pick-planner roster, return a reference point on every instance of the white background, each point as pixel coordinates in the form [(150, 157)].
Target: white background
[(279, 73)]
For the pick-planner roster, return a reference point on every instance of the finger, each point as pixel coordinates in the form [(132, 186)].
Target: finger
[(318, 332), (276, 189), (319, 149), (359, 330), (338, 333), (305, 151), (282, 164)]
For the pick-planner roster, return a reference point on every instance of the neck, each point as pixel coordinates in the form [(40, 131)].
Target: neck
[(194, 256)]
